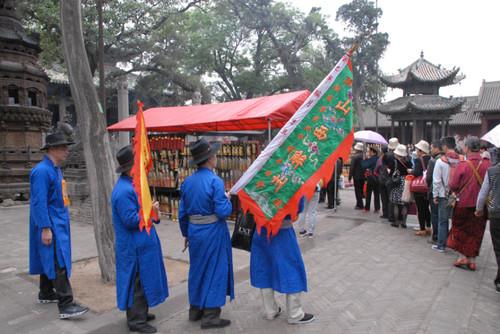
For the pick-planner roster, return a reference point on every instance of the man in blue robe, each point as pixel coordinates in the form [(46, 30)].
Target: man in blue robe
[(50, 237), (276, 265), (203, 209), (141, 280)]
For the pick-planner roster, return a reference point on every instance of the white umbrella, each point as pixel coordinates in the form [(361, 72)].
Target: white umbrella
[(493, 136), (368, 136)]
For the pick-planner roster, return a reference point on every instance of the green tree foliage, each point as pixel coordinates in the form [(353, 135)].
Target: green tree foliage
[(223, 49), (361, 19)]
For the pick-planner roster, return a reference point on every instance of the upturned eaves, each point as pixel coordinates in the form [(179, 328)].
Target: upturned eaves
[(423, 72)]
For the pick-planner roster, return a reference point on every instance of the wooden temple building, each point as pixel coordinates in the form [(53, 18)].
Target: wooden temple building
[(421, 113)]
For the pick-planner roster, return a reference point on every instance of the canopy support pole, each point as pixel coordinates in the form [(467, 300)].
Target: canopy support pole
[(269, 129)]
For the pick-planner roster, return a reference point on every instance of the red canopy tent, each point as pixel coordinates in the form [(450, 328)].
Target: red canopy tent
[(251, 114)]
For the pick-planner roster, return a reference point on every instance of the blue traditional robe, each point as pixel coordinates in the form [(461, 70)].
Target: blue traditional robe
[(210, 254), (47, 210), (277, 263), (135, 251)]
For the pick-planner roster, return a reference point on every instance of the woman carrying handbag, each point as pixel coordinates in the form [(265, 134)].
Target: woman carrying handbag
[(421, 197), (402, 164)]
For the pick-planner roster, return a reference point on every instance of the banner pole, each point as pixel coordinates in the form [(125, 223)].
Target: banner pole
[(335, 187)]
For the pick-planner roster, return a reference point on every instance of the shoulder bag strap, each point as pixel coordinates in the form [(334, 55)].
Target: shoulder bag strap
[(404, 165), (465, 185), (424, 166), (475, 171)]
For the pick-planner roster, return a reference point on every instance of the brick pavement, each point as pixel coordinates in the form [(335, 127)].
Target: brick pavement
[(368, 277), (364, 277)]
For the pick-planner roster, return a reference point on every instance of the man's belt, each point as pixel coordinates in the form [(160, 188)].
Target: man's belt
[(199, 219)]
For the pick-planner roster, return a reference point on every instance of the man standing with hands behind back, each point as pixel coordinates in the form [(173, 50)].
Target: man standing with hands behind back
[(50, 237), (203, 210)]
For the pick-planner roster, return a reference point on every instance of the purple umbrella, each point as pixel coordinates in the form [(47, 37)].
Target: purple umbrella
[(368, 136)]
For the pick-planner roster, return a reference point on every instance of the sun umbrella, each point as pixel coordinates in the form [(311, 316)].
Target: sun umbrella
[(368, 136), (492, 136)]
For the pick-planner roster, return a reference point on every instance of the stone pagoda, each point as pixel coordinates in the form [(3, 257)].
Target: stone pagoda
[(421, 113), (24, 117)]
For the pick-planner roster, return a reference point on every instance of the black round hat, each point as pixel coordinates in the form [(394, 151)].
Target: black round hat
[(125, 157), (57, 139), (201, 150)]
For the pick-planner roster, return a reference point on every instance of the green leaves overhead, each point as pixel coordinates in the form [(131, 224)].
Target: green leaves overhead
[(224, 49)]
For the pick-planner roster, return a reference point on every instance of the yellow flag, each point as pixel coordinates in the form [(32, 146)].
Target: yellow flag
[(140, 171)]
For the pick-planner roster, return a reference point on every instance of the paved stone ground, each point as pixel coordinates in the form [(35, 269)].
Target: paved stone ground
[(364, 277)]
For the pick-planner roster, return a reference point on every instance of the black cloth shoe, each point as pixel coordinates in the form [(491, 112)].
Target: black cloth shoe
[(497, 287), (47, 299), (307, 318), (143, 328), (150, 317), (195, 313), (211, 319), (279, 310), (71, 311)]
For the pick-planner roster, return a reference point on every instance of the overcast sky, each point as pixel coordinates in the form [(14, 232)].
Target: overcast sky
[(458, 33)]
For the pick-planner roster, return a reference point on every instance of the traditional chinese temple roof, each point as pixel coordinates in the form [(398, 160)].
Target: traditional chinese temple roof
[(467, 114), (489, 97), (423, 72), (422, 103)]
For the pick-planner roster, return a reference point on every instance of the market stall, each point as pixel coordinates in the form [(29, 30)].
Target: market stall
[(243, 127)]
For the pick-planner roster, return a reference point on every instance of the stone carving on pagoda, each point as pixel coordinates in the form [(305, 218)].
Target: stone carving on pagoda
[(24, 117)]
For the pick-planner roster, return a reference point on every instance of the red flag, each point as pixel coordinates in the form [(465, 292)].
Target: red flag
[(140, 171)]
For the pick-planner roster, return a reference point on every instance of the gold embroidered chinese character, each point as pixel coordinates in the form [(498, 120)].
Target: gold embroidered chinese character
[(298, 159), (279, 182), (321, 133), (344, 107)]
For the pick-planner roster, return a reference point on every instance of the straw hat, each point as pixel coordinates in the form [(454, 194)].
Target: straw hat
[(358, 147), (393, 143), (401, 151), (423, 146)]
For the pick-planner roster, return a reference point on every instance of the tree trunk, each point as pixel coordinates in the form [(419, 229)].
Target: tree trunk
[(95, 140), (100, 53)]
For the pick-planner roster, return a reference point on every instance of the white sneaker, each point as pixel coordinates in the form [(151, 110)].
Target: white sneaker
[(307, 318), (437, 248)]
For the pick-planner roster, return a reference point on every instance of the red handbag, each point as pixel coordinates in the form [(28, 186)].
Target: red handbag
[(418, 184)]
